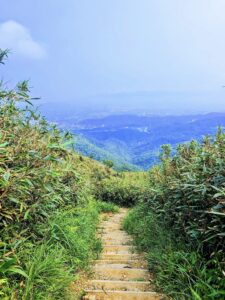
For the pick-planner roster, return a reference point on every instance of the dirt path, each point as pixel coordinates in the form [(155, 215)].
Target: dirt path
[(121, 273)]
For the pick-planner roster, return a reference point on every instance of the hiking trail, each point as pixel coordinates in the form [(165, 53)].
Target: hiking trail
[(120, 273)]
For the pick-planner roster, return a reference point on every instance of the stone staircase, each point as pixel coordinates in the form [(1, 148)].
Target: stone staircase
[(121, 273)]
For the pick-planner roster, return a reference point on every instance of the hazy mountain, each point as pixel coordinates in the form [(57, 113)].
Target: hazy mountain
[(141, 103), (136, 140), (87, 148)]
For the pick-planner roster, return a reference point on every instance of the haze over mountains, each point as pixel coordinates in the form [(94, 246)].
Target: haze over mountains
[(139, 102), (97, 59), (132, 137)]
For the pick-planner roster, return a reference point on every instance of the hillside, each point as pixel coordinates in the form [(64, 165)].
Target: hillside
[(51, 198), (87, 148), (48, 210), (177, 217), (135, 139)]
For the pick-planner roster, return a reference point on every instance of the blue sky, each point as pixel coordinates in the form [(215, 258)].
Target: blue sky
[(79, 49)]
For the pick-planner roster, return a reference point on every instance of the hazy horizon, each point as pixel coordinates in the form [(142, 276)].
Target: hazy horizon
[(156, 56), (139, 103)]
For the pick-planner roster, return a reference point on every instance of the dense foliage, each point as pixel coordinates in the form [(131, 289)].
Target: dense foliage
[(48, 216), (186, 208), (125, 189), (188, 193), (97, 152)]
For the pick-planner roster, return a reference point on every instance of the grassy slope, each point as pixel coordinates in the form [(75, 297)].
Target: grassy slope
[(85, 147), (180, 224), (48, 215)]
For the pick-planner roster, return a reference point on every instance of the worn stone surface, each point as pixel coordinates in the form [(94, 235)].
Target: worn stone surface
[(120, 273)]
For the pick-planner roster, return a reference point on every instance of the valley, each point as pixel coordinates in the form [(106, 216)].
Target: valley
[(133, 142)]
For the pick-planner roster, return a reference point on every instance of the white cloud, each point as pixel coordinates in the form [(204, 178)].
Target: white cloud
[(17, 38)]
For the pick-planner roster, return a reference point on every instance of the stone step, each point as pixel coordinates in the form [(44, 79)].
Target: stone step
[(112, 222), (109, 230), (119, 274), (120, 295), (137, 286), (122, 252), (132, 263), (109, 256), (116, 237), (117, 265), (102, 272), (115, 242), (116, 224), (113, 233), (117, 248)]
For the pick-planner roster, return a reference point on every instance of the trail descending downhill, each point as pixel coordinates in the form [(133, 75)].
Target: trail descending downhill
[(121, 273)]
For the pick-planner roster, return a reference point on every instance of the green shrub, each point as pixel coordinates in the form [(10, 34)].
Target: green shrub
[(148, 233), (185, 206), (48, 276), (47, 268), (47, 220), (108, 163), (180, 271), (124, 189), (187, 194), (106, 207), (75, 231)]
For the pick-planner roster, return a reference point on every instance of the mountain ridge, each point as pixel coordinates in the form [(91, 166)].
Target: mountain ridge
[(137, 140)]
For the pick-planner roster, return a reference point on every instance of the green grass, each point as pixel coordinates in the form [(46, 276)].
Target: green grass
[(180, 272), (68, 246), (107, 207), (48, 215), (87, 148), (48, 273), (124, 189)]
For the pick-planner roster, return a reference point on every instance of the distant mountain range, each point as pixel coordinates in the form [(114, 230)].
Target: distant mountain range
[(134, 141), (139, 102)]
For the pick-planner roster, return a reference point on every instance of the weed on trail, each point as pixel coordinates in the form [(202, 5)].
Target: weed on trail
[(125, 189), (106, 207)]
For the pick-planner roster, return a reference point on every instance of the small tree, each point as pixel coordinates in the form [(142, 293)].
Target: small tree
[(108, 163)]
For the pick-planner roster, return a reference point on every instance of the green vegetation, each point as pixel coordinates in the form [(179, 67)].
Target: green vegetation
[(87, 148), (49, 212), (181, 223), (106, 207), (108, 163), (137, 139), (124, 189), (48, 216)]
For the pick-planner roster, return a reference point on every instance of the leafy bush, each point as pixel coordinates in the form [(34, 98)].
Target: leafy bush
[(181, 222), (124, 189), (47, 274), (69, 245), (188, 194), (180, 272), (106, 207), (47, 216)]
